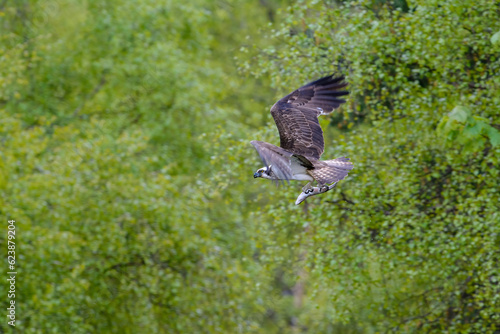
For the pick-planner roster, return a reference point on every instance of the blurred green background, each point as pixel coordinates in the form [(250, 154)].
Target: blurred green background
[(125, 161)]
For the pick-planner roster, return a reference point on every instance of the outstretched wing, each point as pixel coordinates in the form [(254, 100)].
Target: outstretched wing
[(296, 115), (278, 158)]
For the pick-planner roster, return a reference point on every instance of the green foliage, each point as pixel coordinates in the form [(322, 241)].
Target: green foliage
[(125, 161), (106, 110), (470, 131)]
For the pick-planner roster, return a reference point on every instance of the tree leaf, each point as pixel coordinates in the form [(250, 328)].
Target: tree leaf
[(495, 39), (460, 114), (494, 136)]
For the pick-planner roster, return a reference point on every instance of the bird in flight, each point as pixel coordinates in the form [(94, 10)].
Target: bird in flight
[(301, 138)]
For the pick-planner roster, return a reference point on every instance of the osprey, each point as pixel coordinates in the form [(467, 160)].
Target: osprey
[(301, 138)]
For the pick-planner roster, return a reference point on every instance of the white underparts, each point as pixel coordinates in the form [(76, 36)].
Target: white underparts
[(299, 172), (302, 177)]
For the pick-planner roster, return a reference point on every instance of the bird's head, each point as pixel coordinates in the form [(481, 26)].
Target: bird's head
[(264, 172)]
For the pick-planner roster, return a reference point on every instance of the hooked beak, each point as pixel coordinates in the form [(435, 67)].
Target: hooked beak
[(257, 174)]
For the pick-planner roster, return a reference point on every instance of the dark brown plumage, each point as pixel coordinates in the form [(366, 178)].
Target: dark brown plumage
[(296, 115)]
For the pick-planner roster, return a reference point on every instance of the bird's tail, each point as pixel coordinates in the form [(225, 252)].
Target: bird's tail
[(329, 171)]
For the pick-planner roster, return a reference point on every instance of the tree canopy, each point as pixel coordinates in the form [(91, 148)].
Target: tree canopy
[(125, 161)]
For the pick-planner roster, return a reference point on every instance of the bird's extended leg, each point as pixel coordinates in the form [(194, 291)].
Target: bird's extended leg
[(314, 191), (306, 187)]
